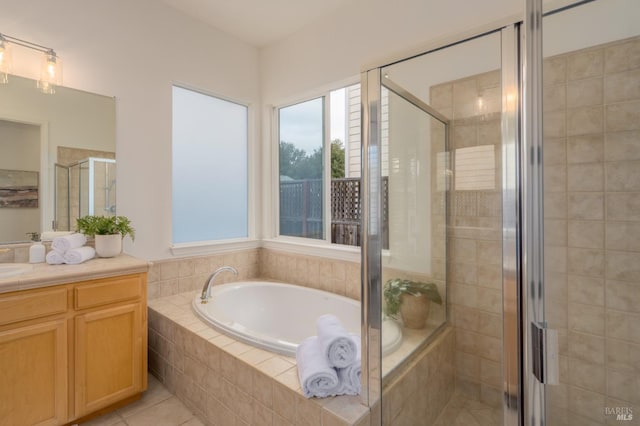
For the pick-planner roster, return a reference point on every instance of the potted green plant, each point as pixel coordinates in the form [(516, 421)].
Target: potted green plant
[(411, 299), (108, 232)]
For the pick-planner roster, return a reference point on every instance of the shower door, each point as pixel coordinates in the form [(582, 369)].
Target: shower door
[(591, 166), (437, 126)]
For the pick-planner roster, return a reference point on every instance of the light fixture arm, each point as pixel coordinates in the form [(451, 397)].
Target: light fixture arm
[(27, 44)]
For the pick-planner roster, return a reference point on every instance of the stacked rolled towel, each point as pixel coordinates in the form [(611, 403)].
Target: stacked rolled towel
[(329, 363), (317, 377), (349, 376), (335, 342), (68, 242), (69, 249)]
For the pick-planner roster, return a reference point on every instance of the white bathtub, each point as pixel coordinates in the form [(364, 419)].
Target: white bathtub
[(277, 316)]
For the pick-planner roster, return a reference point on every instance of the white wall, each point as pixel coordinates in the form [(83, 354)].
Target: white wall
[(135, 50)]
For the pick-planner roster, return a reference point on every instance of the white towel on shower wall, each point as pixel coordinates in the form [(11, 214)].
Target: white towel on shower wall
[(335, 342), (54, 258), (349, 376), (79, 255), (317, 377), (68, 242)]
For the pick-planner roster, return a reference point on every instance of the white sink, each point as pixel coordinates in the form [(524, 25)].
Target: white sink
[(12, 269)]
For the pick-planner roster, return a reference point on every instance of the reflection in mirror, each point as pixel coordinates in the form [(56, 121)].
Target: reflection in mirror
[(46, 135)]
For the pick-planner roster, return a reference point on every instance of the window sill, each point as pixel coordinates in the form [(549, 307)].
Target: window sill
[(213, 247), (320, 249)]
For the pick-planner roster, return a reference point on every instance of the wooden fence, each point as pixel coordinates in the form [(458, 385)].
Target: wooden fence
[(301, 210)]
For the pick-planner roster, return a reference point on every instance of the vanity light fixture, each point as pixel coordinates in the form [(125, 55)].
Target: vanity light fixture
[(51, 70)]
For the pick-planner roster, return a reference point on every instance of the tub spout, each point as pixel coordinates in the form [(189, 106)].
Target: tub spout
[(206, 290)]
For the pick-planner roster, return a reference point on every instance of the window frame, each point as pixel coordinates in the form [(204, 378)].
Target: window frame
[(302, 245), (232, 244)]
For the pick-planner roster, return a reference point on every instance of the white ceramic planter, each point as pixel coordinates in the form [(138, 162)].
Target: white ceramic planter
[(108, 245)]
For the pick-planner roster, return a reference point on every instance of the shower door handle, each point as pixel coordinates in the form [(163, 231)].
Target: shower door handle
[(545, 354)]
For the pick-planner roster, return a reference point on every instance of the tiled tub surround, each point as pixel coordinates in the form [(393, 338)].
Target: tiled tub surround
[(225, 381), (592, 229)]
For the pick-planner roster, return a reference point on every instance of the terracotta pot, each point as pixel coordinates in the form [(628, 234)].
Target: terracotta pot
[(414, 310), (108, 245)]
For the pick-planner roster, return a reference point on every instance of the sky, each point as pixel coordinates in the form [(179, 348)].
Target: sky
[(301, 124)]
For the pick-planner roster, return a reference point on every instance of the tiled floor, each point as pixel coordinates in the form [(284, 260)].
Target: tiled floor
[(157, 407), (464, 411)]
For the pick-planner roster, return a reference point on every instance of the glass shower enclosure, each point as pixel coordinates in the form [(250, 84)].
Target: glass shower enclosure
[(513, 166), (86, 187)]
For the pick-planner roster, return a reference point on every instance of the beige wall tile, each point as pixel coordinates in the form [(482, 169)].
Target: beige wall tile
[(587, 404), (468, 364), (585, 148), (588, 63), (623, 326), (555, 124), (624, 266), (587, 262), (622, 86), (555, 232), (623, 176), (555, 70), (586, 375), (623, 296), (587, 347), (464, 135), (585, 92), (555, 178), (623, 356), (554, 97), (623, 386), (555, 259), (586, 290), (623, 236), (585, 177), (586, 234), (623, 206), (555, 151), (623, 116), (587, 318), (555, 205), (622, 146), (622, 56), (585, 120), (441, 96), (586, 205)]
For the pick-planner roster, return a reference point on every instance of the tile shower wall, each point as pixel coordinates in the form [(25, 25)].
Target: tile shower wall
[(474, 266), (592, 229)]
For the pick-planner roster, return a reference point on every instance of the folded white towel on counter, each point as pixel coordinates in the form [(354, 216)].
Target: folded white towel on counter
[(349, 376), (317, 377), (79, 255), (68, 242), (335, 342), (54, 258)]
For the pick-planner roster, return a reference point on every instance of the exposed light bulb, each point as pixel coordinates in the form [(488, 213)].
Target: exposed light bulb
[(5, 60), (51, 73)]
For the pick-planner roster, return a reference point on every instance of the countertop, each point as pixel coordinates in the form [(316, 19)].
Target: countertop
[(44, 275)]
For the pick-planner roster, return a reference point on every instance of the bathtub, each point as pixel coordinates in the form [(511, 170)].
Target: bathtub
[(278, 316)]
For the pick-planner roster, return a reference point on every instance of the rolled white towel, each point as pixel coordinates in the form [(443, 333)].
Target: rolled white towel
[(79, 255), (335, 342), (68, 242), (54, 258), (317, 378), (350, 375)]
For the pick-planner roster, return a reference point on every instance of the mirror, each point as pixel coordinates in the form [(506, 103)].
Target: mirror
[(40, 135)]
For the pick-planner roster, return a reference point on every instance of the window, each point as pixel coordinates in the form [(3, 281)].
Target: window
[(319, 167), (209, 171)]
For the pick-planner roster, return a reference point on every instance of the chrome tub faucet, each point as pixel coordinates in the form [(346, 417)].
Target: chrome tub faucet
[(206, 290)]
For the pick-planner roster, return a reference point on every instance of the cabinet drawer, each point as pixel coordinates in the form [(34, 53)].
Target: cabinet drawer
[(32, 304), (111, 290)]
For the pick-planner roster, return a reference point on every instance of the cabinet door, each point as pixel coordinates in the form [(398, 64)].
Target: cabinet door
[(33, 374), (108, 346)]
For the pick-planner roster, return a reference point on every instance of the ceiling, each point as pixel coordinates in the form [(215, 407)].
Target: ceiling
[(257, 22)]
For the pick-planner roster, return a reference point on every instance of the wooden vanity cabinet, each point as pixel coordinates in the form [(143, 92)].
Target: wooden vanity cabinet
[(71, 350)]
